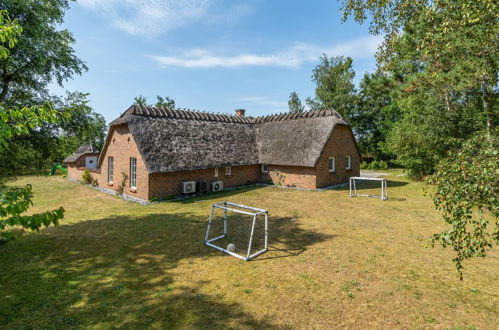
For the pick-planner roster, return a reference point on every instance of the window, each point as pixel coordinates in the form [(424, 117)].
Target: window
[(348, 162), (331, 165), (216, 173), (265, 168), (110, 169), (133, 172), (228, 171)]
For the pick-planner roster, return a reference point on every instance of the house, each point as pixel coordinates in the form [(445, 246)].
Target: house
[(151, 151)]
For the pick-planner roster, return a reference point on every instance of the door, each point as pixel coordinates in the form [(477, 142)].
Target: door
[(91, 162)]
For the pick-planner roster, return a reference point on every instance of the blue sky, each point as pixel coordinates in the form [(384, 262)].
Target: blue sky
[(211, 55)]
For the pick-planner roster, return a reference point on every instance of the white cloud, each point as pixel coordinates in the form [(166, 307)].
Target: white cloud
[(261, 100), (292, 57), (153, 17)]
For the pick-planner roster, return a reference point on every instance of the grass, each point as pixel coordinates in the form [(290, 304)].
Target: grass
[(334, 262)]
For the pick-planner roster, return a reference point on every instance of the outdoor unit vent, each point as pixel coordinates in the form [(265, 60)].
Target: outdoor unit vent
[(188, 187), (203, 187), (217, 185)]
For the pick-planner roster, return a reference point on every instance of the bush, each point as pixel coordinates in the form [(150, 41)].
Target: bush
[(95, 183), (86, 177), (375, 165)]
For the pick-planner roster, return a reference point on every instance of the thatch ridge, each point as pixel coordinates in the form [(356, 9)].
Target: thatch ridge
[(82, 150)]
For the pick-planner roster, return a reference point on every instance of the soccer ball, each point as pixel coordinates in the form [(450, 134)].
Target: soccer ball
[(231, 247)]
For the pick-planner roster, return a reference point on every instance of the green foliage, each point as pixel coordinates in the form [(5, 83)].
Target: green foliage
[(14, 201), (295, 105), (466, 190), (334, 89), (375, 165), (95, 182), (122, 184), (42, 55), (165, 102), (86, 177), (140, 100)]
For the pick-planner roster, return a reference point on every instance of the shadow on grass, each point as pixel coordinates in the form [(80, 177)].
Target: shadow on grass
[(118, 272)]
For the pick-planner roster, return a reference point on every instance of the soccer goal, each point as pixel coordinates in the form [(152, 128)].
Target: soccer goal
[(238, 230), (353, 187)]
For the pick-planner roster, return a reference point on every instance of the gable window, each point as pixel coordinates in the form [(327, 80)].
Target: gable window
[(348, 162), (331, 164), (216, 173), (265, 168), (110, 169), (228, 171), (133, 172)]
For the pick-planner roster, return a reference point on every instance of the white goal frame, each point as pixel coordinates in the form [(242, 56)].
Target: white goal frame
[(353, 187), (248, 210)]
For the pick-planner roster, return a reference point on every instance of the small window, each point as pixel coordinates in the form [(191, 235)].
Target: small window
[(216, 173), (228, 171), (110, 169), (133, 172), (348, 162), (265, 168), (331, 164)]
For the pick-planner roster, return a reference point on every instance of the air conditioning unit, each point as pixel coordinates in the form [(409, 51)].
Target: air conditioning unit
[(217, 186), (203, 187), (188, 187)]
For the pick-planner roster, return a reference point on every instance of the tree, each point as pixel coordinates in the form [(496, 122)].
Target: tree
[(294, 103), (165, 102), (334, 89), (466, 191), (14, 201), (44, 52), (140, 100), (375, 114), (446, 54)]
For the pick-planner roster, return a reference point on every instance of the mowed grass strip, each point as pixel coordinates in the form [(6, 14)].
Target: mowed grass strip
[(334, 262)]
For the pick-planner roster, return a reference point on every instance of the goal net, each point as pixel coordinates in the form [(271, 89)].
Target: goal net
[(238, 230), (354, 180)]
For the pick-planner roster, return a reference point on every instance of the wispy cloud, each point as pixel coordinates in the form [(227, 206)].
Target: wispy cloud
[(261, 100), (292, 57), (153, 17)]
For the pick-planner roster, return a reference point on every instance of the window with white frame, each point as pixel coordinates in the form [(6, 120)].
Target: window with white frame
[(332, 164), (348, 162), (110, 169), (216, 173), (265, 168), (133, 172), (228, 171)]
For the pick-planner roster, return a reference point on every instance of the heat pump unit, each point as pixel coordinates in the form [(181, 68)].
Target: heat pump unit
[(188, 187), (203, 187), (217, 185)]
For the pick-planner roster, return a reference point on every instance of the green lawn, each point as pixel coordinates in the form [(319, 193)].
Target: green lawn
[(334, 262)]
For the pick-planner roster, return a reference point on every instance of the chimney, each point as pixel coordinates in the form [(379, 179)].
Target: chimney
[(240, 112)]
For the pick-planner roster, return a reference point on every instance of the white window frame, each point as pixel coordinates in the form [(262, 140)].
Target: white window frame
[(348, 162), (216, 172), (228, 171), (133, 173), (265, 168), (331, 161), (110, 169)]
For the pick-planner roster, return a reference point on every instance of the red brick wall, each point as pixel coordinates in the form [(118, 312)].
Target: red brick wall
[(291, 176), (340, 144), (165, 184)]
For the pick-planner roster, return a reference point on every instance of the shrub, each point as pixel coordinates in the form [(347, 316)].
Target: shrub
[(374, 165), (95, 183), (86, 177)]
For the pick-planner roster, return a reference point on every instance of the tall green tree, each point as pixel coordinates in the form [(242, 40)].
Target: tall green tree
[(44, 52), (294, 104), (14, 201), (447, 54), (334, 89)]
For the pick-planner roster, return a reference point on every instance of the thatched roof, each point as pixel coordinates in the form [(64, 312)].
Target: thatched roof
[(82, 150), (174, 140)]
